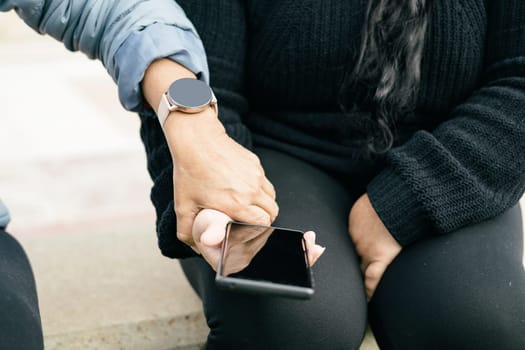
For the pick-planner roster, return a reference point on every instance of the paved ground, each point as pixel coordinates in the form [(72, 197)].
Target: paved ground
[(73, 174)]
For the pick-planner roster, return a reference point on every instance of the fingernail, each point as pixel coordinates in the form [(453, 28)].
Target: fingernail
[(320, 250), (309, 235)]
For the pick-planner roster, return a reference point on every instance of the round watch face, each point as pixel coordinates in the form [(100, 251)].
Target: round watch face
[(190, 93)]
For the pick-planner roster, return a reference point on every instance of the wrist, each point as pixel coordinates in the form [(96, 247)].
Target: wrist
[(158, 77), (376, 230), (184, 131)]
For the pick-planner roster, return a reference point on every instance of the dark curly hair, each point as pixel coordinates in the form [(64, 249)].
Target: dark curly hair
[(388, 67)]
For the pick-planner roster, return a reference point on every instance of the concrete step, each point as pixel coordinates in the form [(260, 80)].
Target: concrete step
[(111, 289)]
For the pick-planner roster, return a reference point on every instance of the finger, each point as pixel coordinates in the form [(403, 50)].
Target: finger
[(269, 205), (213, 236), (363, 265), (370, 287), (368, 293), (315, 253), (184, 228), (373, 275), (309, 237), (253, 214), (268, 188), (215, 232), (375, 271), (314, 250)]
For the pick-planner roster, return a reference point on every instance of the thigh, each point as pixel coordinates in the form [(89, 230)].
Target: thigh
[(19, 316), (465, 290), (335, 318)]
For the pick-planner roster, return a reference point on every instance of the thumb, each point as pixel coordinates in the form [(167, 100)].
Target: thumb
[(215, 225), (213, 236)]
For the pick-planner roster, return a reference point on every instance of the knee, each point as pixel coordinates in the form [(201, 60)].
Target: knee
[(19, 318), (453, 317), (15, 269), (20, 321), (274, 323)]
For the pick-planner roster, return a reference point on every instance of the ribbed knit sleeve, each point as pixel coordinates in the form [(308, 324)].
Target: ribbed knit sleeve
[(472, 166), (221, 24)]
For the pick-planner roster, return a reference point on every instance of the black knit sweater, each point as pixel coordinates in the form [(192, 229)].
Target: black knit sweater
[(277, 68)]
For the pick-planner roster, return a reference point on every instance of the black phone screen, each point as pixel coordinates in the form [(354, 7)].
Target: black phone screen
[(265, 254)]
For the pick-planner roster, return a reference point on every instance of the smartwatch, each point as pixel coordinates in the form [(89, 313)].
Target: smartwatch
[(186, 95)]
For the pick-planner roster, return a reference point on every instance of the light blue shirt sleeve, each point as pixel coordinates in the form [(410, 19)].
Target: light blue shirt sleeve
[(105, 29), (143, 47), (4, 215)]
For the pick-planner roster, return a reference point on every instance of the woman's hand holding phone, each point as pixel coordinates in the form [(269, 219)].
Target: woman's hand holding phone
[(212, 171), (208, 233)]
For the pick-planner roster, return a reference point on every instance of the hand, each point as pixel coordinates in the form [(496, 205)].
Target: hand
[(212, 171), (373, 242), (208, 234)]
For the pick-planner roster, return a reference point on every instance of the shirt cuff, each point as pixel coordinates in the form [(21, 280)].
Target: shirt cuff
[(155, 41), (398, 208), (4, 215)]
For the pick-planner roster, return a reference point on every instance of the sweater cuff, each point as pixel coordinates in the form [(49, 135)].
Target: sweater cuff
[(398, 208)]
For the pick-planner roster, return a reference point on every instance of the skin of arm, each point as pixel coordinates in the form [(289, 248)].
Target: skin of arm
[(206, 162), (373, 242)]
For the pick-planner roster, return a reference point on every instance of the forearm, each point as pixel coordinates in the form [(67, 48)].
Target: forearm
[(158, 77), (181, 130)]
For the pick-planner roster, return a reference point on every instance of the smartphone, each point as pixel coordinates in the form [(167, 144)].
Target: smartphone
[(265, 260)]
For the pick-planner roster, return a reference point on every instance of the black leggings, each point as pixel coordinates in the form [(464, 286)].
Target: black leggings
[(464, 290), (20, 327)]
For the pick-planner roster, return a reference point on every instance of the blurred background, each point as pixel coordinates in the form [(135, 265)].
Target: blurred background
[(73, 175), (69, 154)]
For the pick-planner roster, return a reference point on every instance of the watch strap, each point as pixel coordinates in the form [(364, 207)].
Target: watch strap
[(165, 107)]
